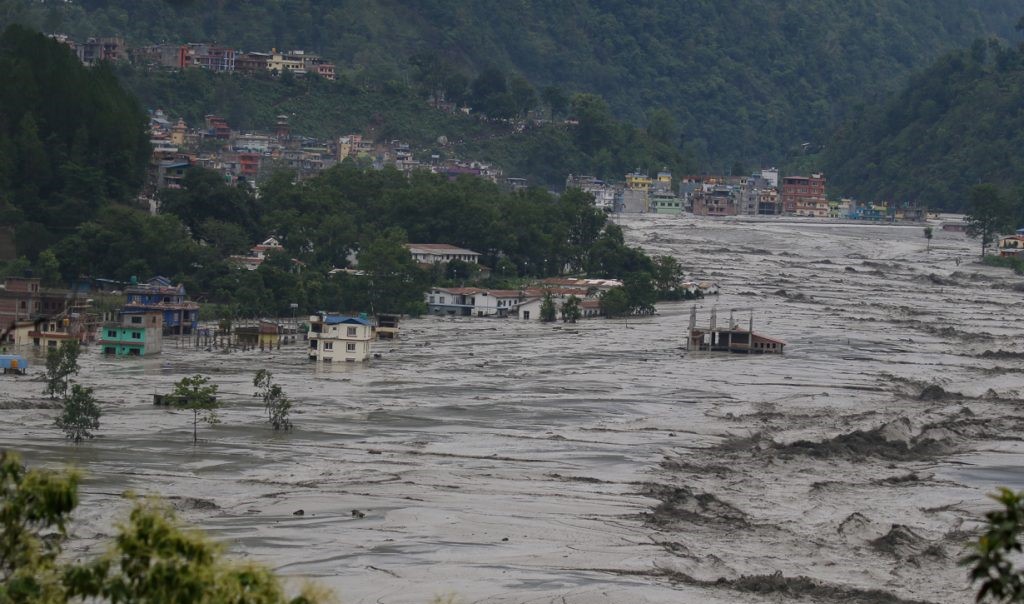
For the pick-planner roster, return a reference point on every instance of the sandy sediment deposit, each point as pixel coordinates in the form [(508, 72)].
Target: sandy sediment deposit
[(510, 462)]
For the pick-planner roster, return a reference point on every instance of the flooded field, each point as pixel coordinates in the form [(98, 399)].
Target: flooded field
[(511, 462)]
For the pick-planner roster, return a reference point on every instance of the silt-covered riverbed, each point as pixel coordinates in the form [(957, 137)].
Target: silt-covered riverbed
[(507, 461)]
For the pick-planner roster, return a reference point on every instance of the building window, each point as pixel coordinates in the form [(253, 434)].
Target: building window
[(328, 345), (441, 301), (111, 334), (136, 320), (431, 299), (136, 335), (351, 347), (351, 332)]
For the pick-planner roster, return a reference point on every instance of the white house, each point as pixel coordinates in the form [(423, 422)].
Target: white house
[(339, 338), (434, 253), (473, 301)]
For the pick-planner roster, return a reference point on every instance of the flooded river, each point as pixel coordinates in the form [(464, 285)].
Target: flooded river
[(511, 462)]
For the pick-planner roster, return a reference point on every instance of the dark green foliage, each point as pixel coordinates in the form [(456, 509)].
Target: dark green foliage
[(992, 563), (954, 125), (571, 310), (744, 80), (81, 414), (615, 302), (989, 213), (71, 140), (547, 309), (1017, 264)]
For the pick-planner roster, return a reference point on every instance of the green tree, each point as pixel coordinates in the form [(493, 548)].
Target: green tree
[(81, 414), (198, 395), (61, 364), (556, 99), (35, 509), (393, 282), (667, 275), (640, 292), (571, 311), (615, 302), (547, 308), (992, 561), (928, 234), (47, 268), (277, 405), (987, 214)]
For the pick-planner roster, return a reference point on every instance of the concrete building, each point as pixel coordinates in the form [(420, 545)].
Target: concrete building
[(138, 333), (804, 195), (716, 200), (339, 338), (180, 315), (473, 301), (439, 253)]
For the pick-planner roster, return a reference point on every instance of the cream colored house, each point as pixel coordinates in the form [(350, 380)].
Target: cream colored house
[(339, 338)]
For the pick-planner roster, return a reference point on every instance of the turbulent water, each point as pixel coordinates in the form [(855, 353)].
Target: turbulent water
[(507, 461)]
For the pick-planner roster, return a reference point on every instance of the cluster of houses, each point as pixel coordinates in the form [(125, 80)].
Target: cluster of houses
[(199, 55), (251, 156), (759, 194)]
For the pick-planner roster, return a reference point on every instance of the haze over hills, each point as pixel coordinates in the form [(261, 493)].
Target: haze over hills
[(745, 81), (955, 125)]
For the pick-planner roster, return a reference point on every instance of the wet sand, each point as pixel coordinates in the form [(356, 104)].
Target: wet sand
[(506, 461)]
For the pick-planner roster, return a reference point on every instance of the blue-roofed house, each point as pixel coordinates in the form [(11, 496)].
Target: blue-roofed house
[(334, 337), (180, 315)]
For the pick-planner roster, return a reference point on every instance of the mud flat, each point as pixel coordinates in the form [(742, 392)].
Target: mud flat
[(518, 462)]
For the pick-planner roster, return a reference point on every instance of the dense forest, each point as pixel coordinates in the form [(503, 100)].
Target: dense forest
[(544, 153), (71, 140), (747, 80), (956, 124)]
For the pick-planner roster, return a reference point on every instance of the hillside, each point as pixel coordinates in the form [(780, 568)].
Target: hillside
[(746, 80), (956, 124)]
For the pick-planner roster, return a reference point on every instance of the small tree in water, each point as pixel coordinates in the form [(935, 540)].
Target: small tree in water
[(198, 395), (61, 364), (547, 309), (278, 405), (571, 310), (81, 414), (928, 234)]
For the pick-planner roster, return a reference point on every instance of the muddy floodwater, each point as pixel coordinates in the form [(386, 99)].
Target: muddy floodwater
[(510, 462)]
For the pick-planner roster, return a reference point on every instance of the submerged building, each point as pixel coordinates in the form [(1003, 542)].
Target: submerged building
[(339, 338), (137, 333), (180, 315)]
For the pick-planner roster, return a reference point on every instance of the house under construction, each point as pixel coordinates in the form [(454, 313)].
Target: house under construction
[(732, 338)]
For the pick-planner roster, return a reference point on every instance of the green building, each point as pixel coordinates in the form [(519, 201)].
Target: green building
[(664, 202), (137, 334)]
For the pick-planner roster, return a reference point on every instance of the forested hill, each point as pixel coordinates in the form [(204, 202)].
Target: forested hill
[(954, 125), (745, 80)]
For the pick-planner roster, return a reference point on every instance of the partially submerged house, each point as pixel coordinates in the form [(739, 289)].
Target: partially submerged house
[(158, 294), (731, 338), (1012, 245), (31, 314), (264, 335), (137, 333), (387, 327), (473, 301), (339, 338)]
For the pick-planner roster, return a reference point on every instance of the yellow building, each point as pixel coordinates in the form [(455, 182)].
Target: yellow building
[(280, 62), (664, 181), (638, 181)]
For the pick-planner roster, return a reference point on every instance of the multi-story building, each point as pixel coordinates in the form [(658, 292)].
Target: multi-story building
[(174, 56), (279, 62), (94, 50), (251, 62), (212, 57), (138, 333), (716, 200), (180, 314), (638, 181), (32, 314), (804, 195), (339, 338)]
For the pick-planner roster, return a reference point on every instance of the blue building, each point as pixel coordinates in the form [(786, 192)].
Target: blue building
[(181, 316)]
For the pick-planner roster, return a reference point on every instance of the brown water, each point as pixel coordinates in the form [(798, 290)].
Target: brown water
[(506, 461)]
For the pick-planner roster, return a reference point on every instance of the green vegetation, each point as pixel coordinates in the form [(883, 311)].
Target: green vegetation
[(277, 405), (61, 364), (547, 308), (198, 395), (1017, 264), (71, 141), (571, 310), (928, 234), (992, 562), (81, 414), (989, 213), (743, 80), (152, 558), (953, 125)]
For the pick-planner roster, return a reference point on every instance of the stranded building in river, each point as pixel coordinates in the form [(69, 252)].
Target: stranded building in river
[(180, 315), (731, 338)]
